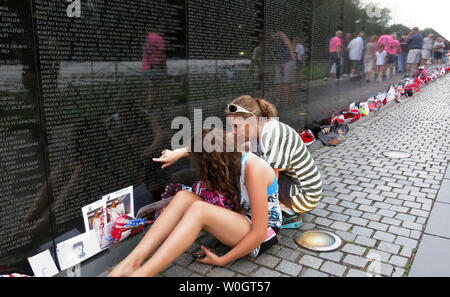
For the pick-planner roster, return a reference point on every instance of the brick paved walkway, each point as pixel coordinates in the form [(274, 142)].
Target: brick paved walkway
[(379, 206)]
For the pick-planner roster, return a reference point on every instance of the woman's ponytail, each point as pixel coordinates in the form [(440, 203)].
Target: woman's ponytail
[(267, 109)]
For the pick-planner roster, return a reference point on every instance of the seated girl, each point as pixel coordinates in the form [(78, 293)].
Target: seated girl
[(249, 229)]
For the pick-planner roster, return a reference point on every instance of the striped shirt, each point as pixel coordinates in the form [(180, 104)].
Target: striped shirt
[(282, 147)]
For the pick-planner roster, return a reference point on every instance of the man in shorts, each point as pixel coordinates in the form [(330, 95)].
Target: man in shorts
[(415, 43), (356, 49)]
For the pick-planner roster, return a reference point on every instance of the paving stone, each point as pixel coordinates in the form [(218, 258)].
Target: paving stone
[(412, 204), (378, 255), (195, 274), (393, 201), (338, 217), (176, 271), (330, 200), (333, 268), (362, 231), (355, 261), (389, 247), (243, 267), (313, 273), (311, 261), (334, 256), (358, 273), (346, 236), (289, 268), (386, 213), (267, 260), (405, 217), (398, 272), (412, 243), (419, 213), (391, 221), (349, 205), (287, 241), (342, 190), (184, 260), (335, 208), (386, 269), (320, 212), (200, 268), (288, 254), (353, 249), (402, 209), (415, 234), (323, 222), (371, 216), (398, 261), (363, 201), (264, 272), (406, 252), (399, 231), (384, 236), (378, 226), (274, 249), (365, 241), (421, 221), (355, 188), (353, 213), (220, 272), (358, 221), (341, 226)]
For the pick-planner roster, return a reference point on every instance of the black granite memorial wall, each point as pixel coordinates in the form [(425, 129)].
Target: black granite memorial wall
[(88, 94)]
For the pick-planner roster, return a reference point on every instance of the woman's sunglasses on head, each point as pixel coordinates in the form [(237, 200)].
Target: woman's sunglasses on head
[(232, 108)]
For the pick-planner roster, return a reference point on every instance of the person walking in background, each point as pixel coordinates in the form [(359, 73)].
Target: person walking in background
[(346, 55), (403, 54), (415, 43), (370, 57), (382, 57), (438, 48), (335, 50), (285, 62), (300, 52), (394, 49), (258, 63), (356, 49), (427, 50), (445, 51), (385, 40)]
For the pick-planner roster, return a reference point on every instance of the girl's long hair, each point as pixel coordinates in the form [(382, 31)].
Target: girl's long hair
[(220, 170)]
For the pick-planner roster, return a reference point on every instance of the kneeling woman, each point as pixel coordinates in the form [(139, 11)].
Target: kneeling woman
[(250, 229)]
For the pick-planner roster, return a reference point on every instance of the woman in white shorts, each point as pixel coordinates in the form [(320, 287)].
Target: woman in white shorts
[(427, 50), (369, 57)]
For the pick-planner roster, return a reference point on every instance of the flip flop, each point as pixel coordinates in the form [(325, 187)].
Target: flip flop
[(293, 222), (294, 225)]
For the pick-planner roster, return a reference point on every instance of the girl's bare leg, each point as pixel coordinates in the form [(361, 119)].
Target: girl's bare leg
[(157, 234), (227, 226)]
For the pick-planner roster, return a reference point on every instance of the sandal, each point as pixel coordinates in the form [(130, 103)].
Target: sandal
[(293, 222)]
